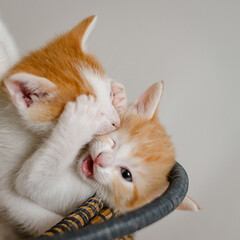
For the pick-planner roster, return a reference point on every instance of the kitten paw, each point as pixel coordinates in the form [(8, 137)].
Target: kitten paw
[(80, 117), (119, 96)]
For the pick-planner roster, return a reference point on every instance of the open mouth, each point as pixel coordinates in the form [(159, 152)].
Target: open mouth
[(87, 167)]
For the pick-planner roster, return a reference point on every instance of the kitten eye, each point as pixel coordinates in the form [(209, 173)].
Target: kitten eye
[(126, 174)]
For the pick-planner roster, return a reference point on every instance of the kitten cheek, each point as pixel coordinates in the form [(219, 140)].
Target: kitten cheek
[(103, 175)]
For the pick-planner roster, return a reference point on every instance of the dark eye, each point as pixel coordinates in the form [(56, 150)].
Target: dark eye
[(126, 174)]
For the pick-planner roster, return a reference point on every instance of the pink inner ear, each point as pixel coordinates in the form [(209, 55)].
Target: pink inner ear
[(26, 93), (142, 103)]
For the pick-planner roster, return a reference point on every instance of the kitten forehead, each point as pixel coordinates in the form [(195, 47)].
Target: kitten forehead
[(99, 83), (125, 152)]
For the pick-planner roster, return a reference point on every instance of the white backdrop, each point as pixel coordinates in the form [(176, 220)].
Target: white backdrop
[(195, 47)]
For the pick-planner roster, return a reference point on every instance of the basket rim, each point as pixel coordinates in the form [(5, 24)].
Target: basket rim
[(136, 219)]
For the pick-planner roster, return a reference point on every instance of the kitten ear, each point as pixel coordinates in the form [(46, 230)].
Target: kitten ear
[(83, 30), (26, 89), (188, 204), (147, 103)]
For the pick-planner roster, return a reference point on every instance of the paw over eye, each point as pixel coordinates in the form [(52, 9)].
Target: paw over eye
[(126, 174)]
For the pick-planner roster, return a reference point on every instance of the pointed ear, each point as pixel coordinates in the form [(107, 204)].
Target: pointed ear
[(188, 204), (83, 30), (147, 103), (26, 89)]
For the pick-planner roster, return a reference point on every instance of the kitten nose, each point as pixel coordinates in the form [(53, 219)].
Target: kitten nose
[(116, 122), (98, 160), (103, 159)]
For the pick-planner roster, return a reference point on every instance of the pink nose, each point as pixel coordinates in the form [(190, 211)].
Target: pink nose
[(115, 120), (116, 124), (103, 159)]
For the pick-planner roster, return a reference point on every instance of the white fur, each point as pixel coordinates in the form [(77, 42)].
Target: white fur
[(15, 144), (8, 51), (102, 89), (46, 186), (51, 168)]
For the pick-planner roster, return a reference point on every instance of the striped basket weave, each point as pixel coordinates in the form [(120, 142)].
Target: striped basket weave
[(94, 220), (92, 211)]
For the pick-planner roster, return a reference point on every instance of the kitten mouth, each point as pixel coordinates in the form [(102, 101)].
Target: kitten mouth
[(87, 167)]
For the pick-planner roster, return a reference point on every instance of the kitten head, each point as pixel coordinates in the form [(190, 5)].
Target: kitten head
[(43, 82), (131, 165)]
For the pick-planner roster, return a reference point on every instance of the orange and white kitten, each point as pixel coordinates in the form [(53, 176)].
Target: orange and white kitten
[(127, 168), (33, 94), (130, 166)]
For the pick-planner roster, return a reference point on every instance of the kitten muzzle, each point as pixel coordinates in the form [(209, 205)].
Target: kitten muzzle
[(104, 159)]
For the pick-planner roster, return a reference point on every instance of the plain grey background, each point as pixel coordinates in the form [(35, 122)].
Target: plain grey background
[(195, 47)]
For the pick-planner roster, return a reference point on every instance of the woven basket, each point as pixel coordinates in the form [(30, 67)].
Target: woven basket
[(88, 222)]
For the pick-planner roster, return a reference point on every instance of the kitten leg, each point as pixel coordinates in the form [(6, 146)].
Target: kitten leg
[(29, 217), (49, 166), (76, 127)]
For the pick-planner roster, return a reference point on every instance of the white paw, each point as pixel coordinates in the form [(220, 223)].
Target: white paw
[(81, 116), (119, 96)]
